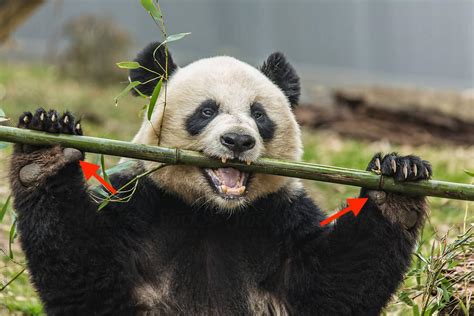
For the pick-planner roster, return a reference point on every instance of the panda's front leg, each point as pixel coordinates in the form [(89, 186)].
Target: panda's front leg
[(56, 216), (355, 266)]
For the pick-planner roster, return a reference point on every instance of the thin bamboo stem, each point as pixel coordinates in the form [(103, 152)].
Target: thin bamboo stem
[(369, 180)]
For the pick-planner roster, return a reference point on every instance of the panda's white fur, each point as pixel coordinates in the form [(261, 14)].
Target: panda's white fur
[(234, 85)]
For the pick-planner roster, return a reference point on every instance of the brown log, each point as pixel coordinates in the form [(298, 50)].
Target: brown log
[(13, 13)]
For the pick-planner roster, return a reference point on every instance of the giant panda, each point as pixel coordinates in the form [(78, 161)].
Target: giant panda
[(197, 241)]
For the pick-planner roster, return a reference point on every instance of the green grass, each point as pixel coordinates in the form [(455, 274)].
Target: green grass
[(24, 87)]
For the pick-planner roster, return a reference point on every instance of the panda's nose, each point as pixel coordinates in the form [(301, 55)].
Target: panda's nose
[(237, 143)]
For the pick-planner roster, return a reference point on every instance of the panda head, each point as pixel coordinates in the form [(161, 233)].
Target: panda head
[(225, 109)]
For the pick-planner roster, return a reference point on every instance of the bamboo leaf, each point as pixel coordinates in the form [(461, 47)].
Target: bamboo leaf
[(103, 204), (175, 37), (152, 9), (12, 238), (140, 93), (128, 65), (470, 173), (4, 208), (127, 89), (405, 298), (154, 98), (102, 166)]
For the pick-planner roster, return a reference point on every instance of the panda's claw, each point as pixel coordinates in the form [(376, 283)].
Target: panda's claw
[(393, 164), (401, 168), (377, 164), (50, 122), (405, 171)]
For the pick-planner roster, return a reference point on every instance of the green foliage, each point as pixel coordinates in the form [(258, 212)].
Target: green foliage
[(436, 287), (125, 91), (128, 65), (4, 209), (174, 37), (154, 98), (12, 236), (152, 9)]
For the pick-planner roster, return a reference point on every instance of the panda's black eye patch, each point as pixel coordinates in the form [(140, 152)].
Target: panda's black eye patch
[(202, 116), (266, 127)]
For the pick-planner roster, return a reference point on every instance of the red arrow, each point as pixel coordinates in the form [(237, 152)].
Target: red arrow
[(90, 170), (354, 206)]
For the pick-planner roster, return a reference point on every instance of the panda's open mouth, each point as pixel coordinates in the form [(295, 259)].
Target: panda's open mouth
[(229, 182)]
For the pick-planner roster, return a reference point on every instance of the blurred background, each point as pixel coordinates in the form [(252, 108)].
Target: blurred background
[(377, 75)]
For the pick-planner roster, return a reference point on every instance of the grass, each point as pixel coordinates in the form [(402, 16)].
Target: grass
[(26, 87)]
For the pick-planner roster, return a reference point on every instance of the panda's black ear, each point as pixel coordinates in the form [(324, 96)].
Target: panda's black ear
[(278, 70), (157, 63)]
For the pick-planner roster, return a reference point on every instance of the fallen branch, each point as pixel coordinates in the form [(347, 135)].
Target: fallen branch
[(294, 169)]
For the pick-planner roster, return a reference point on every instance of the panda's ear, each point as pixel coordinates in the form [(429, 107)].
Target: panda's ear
[(154, 59), (278, 70)]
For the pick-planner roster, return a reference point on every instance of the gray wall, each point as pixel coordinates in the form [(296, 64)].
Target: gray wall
[(422, 42)]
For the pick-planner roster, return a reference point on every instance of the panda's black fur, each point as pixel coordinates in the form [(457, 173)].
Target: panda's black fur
[(158, 254)]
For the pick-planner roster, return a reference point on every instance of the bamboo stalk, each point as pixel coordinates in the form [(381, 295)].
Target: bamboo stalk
[(459, 191)]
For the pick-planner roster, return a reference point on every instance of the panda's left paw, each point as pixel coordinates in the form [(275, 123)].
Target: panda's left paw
[(408, 211), (401, 168)]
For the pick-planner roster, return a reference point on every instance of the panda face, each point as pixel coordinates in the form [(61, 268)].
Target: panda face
[(227, 110)]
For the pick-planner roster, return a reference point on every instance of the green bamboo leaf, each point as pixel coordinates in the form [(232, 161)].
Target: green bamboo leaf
[(127, 89), (12, 238), (405, 298), (102, 166), (415, 310), (140, 93), (154, 98), (470, 173), (4, 208), (128, 65), (174, 37), (152, 9), (446, 294), (103, 204), (463, 307)]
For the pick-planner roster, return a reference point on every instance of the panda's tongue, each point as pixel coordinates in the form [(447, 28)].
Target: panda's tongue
[(229, 176)]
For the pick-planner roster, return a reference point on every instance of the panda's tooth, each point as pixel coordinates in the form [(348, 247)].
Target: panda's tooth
[(248, 162), (53, 118), (224, 188), (415, 170), (405, 171), (26, 119), (224, 160), (241, 190), (42, 117), (78, 126), (66, 119)]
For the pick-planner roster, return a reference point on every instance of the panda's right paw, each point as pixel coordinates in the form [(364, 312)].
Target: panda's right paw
[(32, 164)]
